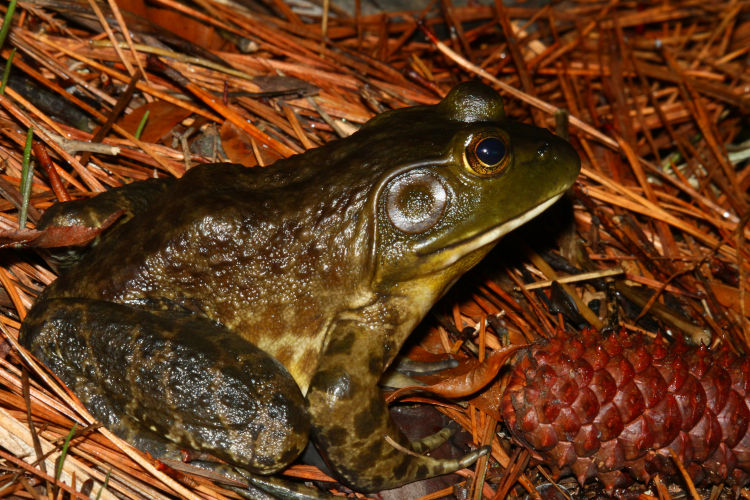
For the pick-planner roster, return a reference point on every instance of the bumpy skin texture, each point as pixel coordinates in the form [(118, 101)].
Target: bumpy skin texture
[(323, 262), (613, 408)]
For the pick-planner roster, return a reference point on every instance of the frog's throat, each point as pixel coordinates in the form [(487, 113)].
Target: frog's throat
[(456, 251)]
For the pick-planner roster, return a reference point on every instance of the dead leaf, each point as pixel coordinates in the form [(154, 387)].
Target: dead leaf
[(162, 118), (729, 296), (236, 145), (56, 236), (488, 400)]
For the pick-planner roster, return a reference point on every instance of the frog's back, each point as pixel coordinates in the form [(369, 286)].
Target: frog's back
[(262, 261)]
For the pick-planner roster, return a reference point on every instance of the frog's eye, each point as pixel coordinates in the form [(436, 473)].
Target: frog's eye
[(415, 201), (487, 155)]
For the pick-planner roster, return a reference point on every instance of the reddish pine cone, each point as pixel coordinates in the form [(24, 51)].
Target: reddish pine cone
[(613, 408)]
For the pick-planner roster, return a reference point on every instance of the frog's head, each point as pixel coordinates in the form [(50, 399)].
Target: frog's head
[(463, 176)]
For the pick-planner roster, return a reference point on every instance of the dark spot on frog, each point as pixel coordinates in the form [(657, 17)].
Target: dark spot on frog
[(341, 345), (422, 470), (364, 423), (376, 483), (265, 460), (289, 455), (336, 435), (402, 469), (367, 458), (376, 364)]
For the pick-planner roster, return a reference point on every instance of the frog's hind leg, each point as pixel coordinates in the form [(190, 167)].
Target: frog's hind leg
[(177, 375), (259, 487), (351, 424)]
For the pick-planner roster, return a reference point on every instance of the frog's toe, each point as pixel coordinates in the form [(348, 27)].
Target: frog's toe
[(431, 467), (473, 456), (251, 493), (432, 441), (407, 366), (284, 489)]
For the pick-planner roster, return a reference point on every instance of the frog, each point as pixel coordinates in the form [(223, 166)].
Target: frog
[(245, 312)]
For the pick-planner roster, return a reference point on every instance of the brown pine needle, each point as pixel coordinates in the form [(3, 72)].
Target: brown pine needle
[(685, 475)]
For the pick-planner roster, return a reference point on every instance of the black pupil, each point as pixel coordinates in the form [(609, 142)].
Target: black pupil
[(490, 151)]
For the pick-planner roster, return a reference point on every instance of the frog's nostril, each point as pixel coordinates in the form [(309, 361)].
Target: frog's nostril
[(544, 150)]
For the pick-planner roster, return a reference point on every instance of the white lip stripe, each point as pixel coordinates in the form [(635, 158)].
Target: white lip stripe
[(501, 230)]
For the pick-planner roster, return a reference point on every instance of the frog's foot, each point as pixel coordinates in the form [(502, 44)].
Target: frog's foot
[(407, 366), (129, 200), (400, 373), (144, 439), (132, 199), (284, 489), (429, 443), (471, 457), (256, 486), (178, 376)]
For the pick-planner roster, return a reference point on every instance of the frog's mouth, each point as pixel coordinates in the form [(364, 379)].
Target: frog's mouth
[(456, 251)]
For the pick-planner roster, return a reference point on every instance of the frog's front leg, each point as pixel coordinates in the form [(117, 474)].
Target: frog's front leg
[(131, 198), (172, 375), (99, 211), (350, 420)]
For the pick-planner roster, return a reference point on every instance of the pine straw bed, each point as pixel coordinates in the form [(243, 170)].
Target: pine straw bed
[(658, 95)]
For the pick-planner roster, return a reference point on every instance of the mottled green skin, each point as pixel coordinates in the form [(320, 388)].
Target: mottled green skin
[(211, 278)]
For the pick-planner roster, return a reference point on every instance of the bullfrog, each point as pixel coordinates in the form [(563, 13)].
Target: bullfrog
[(244, 311)]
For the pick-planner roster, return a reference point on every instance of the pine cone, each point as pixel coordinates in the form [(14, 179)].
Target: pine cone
[(613, 408)]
